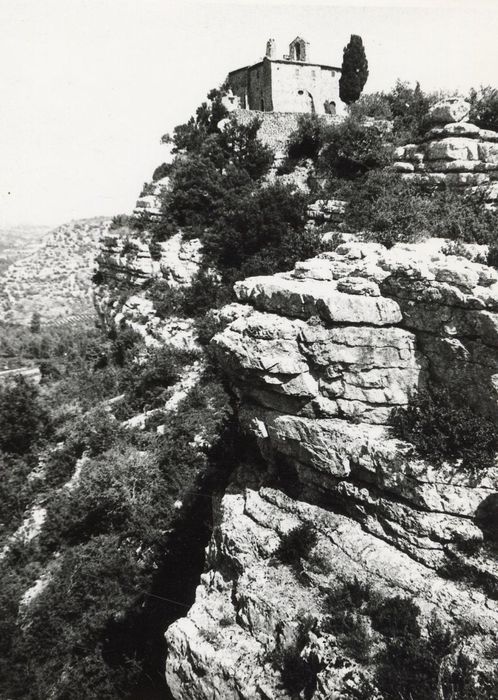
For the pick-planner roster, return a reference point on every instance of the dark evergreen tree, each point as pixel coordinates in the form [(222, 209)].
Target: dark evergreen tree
[(354, 70)]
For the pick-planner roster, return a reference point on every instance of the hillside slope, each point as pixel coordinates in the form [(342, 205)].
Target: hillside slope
[(54, 279)]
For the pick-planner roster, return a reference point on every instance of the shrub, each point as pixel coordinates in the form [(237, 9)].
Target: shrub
[(203, 293), (296, 545), (388, 208), (442, 425), (487, 516), (351, 149), (409, 107), (121, 220), (190, 136), (395, 616), (148, 379), (155, 250), (161, 171), (375, 105), (484, 107), (23, 418), (299, 674), (167, 300), (409, 666), (393, 210), (256, 228), (307, 140), (463, 217)]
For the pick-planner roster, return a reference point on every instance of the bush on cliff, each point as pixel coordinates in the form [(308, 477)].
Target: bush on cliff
[(190, 136), (442, 425), (296, 545), (391, 210), (484, 107), (351, 149), (388, 208), (307, 140), (260, 232)]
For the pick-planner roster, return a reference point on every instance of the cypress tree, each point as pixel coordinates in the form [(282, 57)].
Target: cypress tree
[(354, 70)]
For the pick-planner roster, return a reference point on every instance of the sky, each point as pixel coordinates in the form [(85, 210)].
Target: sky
[(88, 87)]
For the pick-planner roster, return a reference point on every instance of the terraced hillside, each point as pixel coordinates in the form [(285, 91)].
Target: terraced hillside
[(54, 280)]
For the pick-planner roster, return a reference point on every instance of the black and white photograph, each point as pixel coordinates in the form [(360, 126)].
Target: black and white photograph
[(249, 350)]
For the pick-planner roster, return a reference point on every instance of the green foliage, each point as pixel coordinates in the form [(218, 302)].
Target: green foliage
[(345, 608), (35, 323), (155, 250), (122, 220), (351, 149), (148, 379), (484, 107), (307, 140), (223, 165), (15, 490), (392, 210), (299, 674), (258, 232), (61, 650), (442, 425), (375, 105), (410, 664), (161, 171), (113, 495), (190, 136), (23, 418), (197, 188), (92, 630), (487, 516), (409, 107), (296, 545), (395, 616), (354, 71)]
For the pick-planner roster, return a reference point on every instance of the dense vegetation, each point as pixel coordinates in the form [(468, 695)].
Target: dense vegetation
[(349, 162), (442, 425), (406, 658), (127, 512)]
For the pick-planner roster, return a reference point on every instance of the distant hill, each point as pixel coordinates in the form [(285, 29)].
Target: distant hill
[(18, 241), (52, 276)]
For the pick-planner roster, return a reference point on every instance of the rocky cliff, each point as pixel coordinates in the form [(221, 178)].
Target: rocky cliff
[(453, 152), (319, 357)]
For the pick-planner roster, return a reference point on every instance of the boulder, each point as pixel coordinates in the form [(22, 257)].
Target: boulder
[(452, 109)]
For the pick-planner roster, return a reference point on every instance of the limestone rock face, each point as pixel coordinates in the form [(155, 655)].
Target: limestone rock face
[(454, 153), (149, 202), (319, 357)]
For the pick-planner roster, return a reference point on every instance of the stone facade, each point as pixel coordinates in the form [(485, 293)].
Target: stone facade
[(288, 84)]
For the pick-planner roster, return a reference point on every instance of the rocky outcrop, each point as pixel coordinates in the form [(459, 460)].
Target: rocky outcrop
[(458, 154), (124, 254), (149, 203), (319, 357)]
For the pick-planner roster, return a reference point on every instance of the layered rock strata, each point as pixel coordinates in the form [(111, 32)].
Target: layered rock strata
[(459, 155), (319, 358)]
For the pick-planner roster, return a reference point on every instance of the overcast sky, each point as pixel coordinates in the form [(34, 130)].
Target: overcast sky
[(89, 86)]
